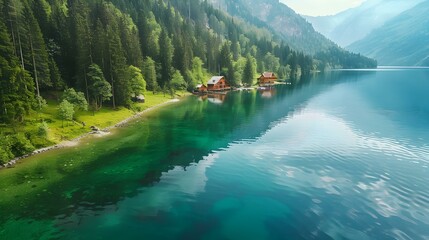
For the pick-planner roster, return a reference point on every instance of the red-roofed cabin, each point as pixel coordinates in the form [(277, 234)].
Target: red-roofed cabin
[(218, 83), (267, 78)]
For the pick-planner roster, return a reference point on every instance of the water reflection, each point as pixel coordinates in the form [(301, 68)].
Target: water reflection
[(216, 98), (157, 171), (267, 92)]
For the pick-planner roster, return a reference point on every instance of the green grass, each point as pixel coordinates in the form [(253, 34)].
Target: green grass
[(59, 131)]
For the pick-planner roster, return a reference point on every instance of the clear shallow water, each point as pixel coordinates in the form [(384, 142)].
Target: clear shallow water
[(340, 156)]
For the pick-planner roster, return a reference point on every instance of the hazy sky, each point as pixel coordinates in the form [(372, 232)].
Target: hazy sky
[(321, 7)]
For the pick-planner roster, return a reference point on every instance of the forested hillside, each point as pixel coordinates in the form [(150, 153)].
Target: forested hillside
[(294, 30), (112, 51), (281, 19)]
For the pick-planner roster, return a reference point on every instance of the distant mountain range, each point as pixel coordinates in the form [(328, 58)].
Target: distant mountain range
[(293, 28), (294, 31), (403, 40), (354, 24)]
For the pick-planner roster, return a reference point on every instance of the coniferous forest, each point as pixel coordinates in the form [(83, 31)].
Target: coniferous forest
[(107, 52)]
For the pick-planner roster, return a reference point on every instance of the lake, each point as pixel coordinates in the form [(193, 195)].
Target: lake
[(343, 155)]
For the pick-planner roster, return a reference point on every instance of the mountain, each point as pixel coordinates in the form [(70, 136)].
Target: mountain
[(293, 28), (404, 40), (294, 31), (354, 24)]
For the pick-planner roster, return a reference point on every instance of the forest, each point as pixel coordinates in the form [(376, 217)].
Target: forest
[(97, 52)]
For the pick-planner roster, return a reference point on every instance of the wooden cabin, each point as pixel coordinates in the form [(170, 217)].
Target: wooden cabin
[(267, 78), (200, 88), (217, 83)]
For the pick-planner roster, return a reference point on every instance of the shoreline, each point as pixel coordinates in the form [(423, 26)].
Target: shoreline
[(75, 141)]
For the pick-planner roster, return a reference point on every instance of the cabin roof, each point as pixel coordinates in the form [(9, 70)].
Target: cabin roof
[(200, 85), (215, 79), (268, 74), (140, 97)]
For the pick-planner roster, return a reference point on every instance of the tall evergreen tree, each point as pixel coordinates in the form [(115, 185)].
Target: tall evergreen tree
[(150, 32), (42, 11), (81, 46), (166, 58), (117, 67), (11, 17), (16, 86), (249, 71), (227, 65), (130, 41), (35, 52), (149, 73)]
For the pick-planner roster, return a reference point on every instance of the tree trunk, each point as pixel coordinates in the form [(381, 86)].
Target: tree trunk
[(86, 85), (35, 73), (13, 37), (111, 80)]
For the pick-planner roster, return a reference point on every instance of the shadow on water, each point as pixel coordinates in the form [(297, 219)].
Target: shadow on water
[(179, 135)]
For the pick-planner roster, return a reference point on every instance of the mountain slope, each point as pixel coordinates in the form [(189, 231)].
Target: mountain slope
[(404, 40), (354, 24), (293, 28)]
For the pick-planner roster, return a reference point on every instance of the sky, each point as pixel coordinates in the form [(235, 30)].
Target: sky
[(321, 7)]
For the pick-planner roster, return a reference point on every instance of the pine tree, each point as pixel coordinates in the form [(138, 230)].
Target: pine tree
[(81, 46), (130, 41), (117, 68), (249, 71), (227, 65), (42, 11), (35, 52), (56, 79), (150, 32), (149, 73), (100, 47), (11, 15), (16, 86), (166, 58)]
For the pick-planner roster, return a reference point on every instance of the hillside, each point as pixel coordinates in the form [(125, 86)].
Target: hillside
[(354, 24), (404, 40), (281, 19), (293, 30)]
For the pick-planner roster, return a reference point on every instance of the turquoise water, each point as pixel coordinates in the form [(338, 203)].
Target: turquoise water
[(343, 155)]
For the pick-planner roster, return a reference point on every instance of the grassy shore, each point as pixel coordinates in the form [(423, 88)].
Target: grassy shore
[(60, 131), (33, 179)]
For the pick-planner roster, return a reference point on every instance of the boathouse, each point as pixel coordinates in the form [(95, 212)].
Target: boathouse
[(218, 83), (200, 88), (267, 78)]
